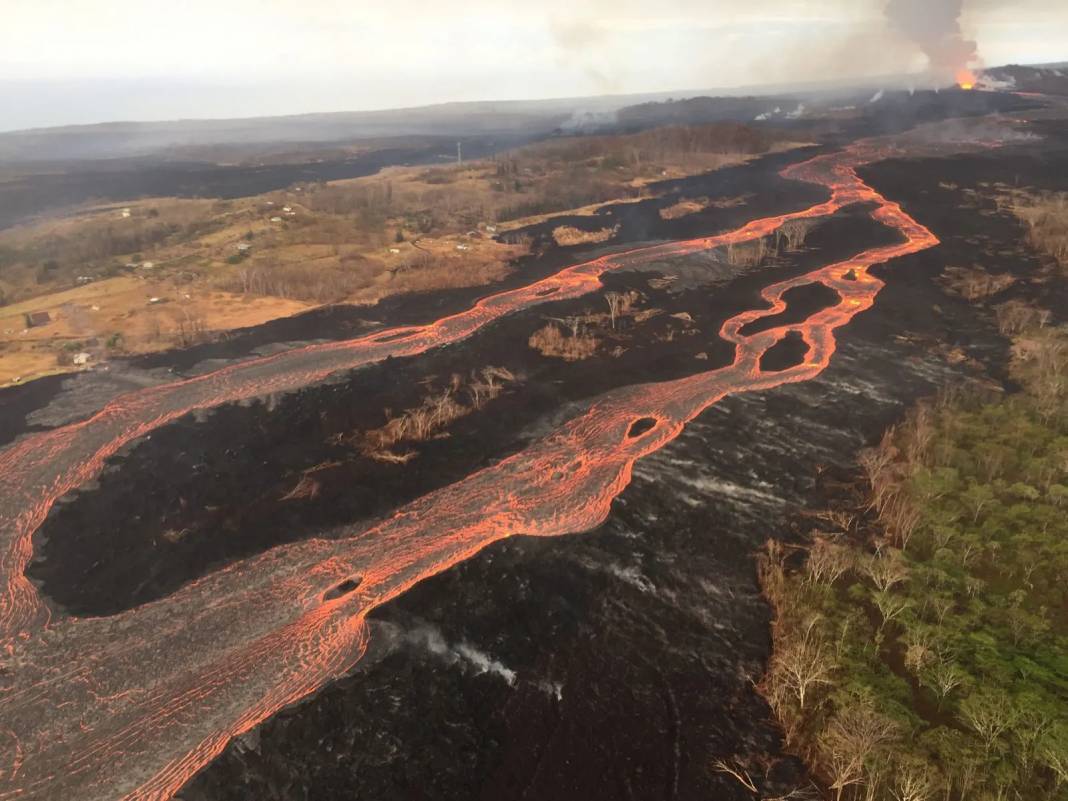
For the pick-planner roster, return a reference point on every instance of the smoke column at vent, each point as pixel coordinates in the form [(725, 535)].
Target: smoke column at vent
[(934, 25)]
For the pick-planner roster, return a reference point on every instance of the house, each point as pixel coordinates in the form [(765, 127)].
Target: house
[(491, 229), (394, 250), (276, 219), (287, 209), (81, 358), (243, 247), (37, 319), (462, 246), (125, 213), (147, 265)]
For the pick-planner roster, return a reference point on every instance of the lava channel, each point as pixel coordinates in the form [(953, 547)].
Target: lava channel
[(132, 705)]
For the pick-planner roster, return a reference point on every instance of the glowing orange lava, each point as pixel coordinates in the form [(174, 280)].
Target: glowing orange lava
[(965, 78), (131, 706)]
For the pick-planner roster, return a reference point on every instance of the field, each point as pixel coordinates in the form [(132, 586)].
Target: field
[(126, 314)]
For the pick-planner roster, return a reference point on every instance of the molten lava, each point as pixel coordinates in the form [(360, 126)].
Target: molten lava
[(131, 706), (965, 78)]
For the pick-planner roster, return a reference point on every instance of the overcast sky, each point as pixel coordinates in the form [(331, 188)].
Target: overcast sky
[(74, 61)]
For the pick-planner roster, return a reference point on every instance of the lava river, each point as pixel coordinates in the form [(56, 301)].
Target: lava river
[(132, 705)]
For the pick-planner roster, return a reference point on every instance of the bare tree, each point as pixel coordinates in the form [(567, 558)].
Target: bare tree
[(988, 714), (900, 517), (886, 570), (878, 464), (615, 301), (827, 560), (1053, 754), (739, 773), (914, 783), (944, 676), (942, 605), (921, 431), (848, 741), (792, 234), (890, 606), (804, 664)]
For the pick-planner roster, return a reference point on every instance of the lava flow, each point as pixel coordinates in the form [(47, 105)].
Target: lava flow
[(39, 469), (131, 706)]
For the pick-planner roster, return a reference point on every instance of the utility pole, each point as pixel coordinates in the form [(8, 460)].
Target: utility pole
[(459, 154)]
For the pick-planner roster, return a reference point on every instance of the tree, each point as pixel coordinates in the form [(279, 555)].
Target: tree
[(739, 773), (942, 606), (976, 498), (988, 714), (1053, 754), (827, 560), (850, 738), (943, 676), (615, 301), (1029, 728), (878, 466), (913, 783), (890, 606), (804, 664), (886, 570)]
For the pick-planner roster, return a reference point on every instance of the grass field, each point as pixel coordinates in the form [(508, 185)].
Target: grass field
[(116, 315)]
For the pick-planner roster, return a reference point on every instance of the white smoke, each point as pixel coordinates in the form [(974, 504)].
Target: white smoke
[(464, 654), (934, 25)]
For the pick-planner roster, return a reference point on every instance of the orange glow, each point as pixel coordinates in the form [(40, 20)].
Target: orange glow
[(134, 704), (965, 79)]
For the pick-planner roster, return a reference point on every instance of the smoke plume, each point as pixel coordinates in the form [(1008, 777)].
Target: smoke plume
[(934, 25)]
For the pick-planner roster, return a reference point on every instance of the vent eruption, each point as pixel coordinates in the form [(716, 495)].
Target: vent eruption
[(934, 25)]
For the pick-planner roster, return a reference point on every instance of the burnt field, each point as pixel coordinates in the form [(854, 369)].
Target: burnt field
[(615, 663)]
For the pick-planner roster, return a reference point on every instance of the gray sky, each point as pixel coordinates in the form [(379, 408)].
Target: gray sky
[(72, 61)]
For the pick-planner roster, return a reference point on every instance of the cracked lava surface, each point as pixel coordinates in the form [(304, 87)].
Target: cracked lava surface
[(131, 706)]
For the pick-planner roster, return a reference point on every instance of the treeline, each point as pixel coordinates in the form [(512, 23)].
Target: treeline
[(373, 201), (95, 248), (921, 638), (652, 145), (567, 189), (559, 174), (315, 281)]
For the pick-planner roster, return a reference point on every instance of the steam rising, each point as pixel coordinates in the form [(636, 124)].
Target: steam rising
[(463, 654), (934, 25)]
